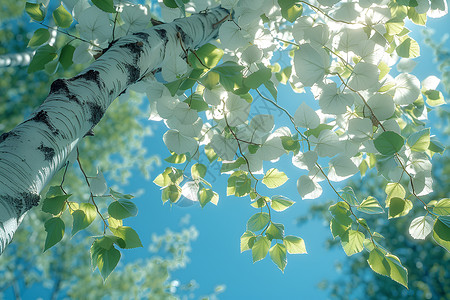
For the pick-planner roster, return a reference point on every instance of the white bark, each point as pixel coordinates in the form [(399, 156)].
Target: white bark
[(32, 152)]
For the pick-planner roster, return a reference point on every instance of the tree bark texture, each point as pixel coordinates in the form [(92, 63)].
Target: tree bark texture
[(32, 152)]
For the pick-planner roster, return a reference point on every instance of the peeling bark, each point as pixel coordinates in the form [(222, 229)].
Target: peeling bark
[(32, 152)]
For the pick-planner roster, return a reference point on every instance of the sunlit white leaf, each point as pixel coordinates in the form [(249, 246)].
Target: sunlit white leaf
[(135, 17), (225, 148), (174, 67), (98, 184), (360, 128), (332, 101), (307, 188), (364, 76), (421, 227), (327, 144), (263, 123), (306, 117), (310, 64), (382, 106), (407, 89), (178, 143), (94, 25), (305, 160)]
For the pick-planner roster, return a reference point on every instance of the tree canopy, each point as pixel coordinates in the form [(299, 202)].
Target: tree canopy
[(206, 71)]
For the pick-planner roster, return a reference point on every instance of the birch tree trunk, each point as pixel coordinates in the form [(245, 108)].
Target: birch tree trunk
[(31, 153)]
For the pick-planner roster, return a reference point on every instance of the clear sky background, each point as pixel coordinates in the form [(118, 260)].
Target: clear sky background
[(215, 256)]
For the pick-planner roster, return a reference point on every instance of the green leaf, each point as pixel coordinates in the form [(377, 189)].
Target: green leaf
[(83, 217), (397, 272), (370, 205), (258, 221), (284, 75), (419, 19), (275, 231), (274, 178), (205, 196), (62, 17), (316, 131), (280, 203), (66, 56), (270, 86), (434, 98), (257, 78), (210, 80), (55, 205), (176, 159), (290, 10), (399, 207), (207, 55), (388, 143), (419, 141), (198, 171), (378, 262), (39, 37), (337, 229), (122, 209), (260, 248), (35, 11), (105, 5), (341, 213), (247, 240), (55, 231), (261, 202), (278, 255), (196, 102), (172, 192), (127, 234), (226, 167), (289, 144), (442, 207), (228, 68), (441, 234), (294, 245), (239, 184), (394, 26), (105, 259), (352, 242), (43, 56), (394, 189), (349, 196), (409, 48), (118, 195)]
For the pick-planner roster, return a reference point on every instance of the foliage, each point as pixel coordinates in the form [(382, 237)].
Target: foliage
[(428, 275), (341, 53)]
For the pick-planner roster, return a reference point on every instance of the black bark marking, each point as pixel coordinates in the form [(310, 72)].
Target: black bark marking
[(30, 200), (90, 75), (96, 113), (59, 86), (6, 135), (74, 98), (142, 35), (48, 152), (135, 49), (134, 73), (42, 117), (163, 35), (184, 37)]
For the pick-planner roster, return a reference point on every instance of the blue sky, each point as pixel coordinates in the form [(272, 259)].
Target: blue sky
[(215, 256)]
